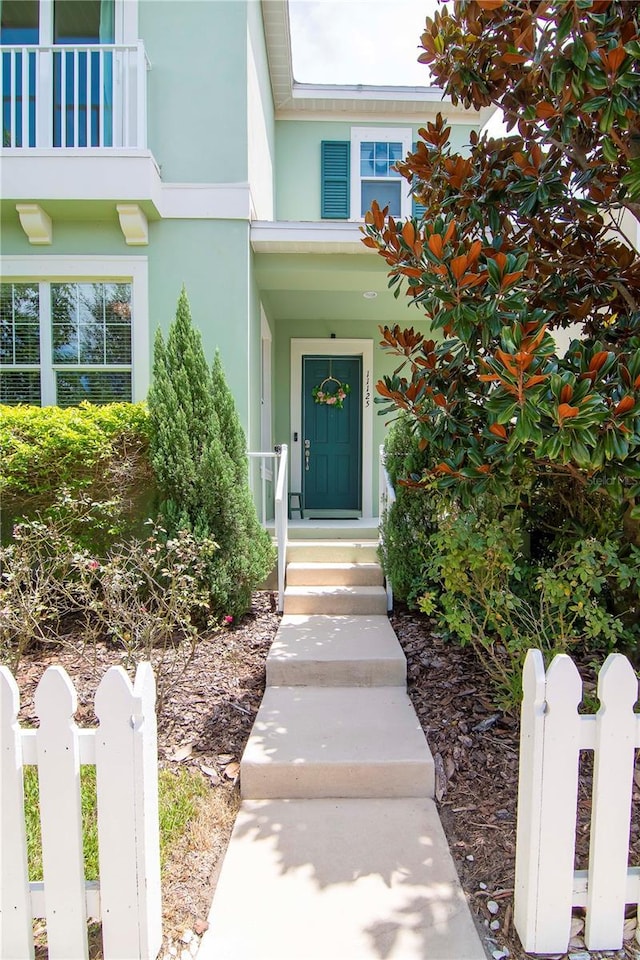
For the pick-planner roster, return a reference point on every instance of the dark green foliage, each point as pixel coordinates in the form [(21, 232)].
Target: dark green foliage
[(198, 452), (410, 522), (551, 570)]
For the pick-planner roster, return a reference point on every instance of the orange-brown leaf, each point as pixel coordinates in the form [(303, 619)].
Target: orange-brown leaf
[(411, 272), (409, 233), (565, 411), (444, 468), (598, 361), (566, 393), (535, 380), (507, 360), (435, 245), (459, 266), (615, 58), (546, 110), (510, 278), (627, 403), (500, 261), (369, 242), (472, 280), (498, 430), (450, 232)]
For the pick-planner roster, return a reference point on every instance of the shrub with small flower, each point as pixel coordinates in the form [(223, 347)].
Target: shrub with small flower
[(149, 597)]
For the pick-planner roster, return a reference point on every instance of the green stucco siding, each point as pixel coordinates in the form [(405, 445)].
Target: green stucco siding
[(298, 160), (194, 48), (210, 258)]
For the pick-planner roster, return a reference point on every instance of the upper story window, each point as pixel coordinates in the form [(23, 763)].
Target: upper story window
[(64, 342), (378, 178), (358, 171)]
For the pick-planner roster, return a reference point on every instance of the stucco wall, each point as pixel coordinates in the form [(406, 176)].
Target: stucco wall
[(194, 49), (298, 160)]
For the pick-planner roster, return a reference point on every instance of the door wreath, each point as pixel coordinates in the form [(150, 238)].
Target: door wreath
[(334, 398)]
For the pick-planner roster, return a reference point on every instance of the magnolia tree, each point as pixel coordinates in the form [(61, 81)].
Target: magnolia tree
[(520, 237)]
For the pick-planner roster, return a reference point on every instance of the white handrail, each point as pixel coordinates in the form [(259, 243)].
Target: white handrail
[(282, 485), (281, 506), (386, 499), (263, 456)]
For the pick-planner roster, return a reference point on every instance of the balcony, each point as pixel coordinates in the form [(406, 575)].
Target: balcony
[(74, 97)]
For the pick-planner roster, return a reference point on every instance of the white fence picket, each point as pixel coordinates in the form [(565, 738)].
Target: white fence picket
[(61, 817), (124, 749), (16, 933), (528, 837), (552, 735), (556, 786), (612, 797), (127, 788)]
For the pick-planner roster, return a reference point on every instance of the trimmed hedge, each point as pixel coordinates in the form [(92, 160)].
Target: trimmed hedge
[(45, 448)]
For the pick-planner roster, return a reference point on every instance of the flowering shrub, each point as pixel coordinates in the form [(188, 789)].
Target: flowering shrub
[(148, 597)]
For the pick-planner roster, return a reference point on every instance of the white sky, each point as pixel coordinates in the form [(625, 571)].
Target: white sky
[(362, 41), (358, 41)]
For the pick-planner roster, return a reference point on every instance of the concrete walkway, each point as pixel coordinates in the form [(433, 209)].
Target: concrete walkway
[(338, 852)]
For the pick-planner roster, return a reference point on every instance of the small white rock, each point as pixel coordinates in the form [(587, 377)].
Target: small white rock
[(470, 857), (187, 936), (492, 907), (482, 886), (582, 955), (499, 954), (495, 925)]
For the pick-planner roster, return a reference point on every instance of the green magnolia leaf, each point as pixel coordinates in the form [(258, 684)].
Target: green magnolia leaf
[(580, 54)]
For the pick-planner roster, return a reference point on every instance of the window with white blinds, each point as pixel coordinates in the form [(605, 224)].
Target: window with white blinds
[(64, 342)]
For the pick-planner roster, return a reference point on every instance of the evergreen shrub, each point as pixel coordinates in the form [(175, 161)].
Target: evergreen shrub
[(198, 454)]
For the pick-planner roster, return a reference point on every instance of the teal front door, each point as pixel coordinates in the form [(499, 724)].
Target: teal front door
[(332, 436)]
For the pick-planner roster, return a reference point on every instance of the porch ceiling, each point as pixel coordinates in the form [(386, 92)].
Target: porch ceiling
[(329, 287)]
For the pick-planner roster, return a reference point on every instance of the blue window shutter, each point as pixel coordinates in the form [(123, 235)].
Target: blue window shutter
[(417, 209), (335, 173)]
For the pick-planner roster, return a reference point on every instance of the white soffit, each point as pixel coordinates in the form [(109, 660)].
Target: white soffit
[(35, 223)]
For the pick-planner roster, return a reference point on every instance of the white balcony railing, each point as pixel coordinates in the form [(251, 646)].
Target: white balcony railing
[(74, 97)]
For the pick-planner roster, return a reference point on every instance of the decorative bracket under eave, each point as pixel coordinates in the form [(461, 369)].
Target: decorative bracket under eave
[(133, 224), (36, 223)]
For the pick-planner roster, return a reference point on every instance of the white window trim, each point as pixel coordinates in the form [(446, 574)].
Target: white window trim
[(36, 269), (366, 135), (356, 348)]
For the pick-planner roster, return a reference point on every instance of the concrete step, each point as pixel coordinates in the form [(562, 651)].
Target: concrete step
[(336, 742), (335, 600), (336, 652), (334, 574), (341, 530), (339, 880), (333, 551)]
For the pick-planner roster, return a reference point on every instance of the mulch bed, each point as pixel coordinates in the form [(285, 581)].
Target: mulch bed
[(209, 710)]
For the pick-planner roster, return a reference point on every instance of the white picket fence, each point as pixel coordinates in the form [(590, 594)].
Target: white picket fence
[(124, 750), (553, 733)]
